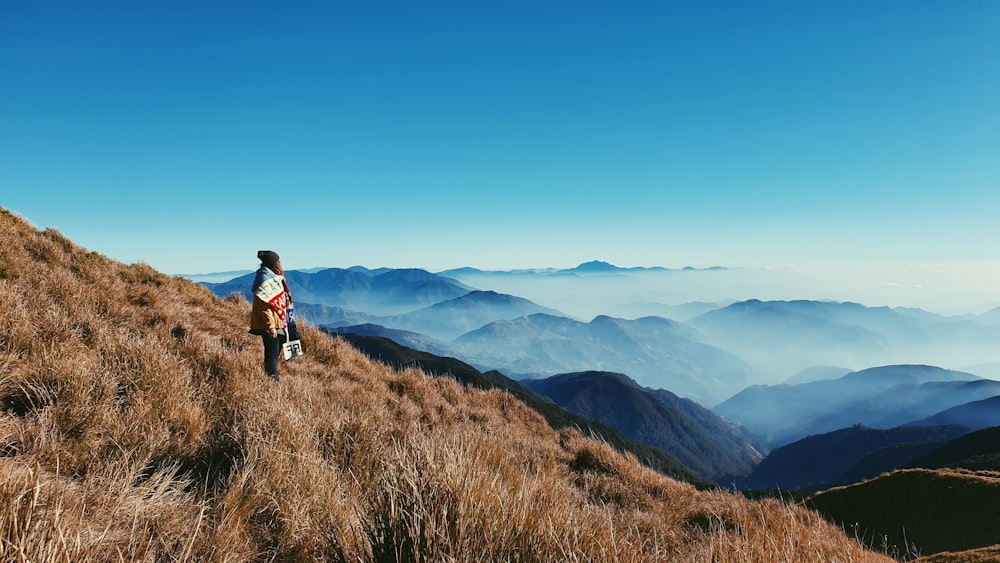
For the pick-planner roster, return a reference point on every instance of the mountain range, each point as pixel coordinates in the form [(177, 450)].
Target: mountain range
[(882, 397), (780, 338), (716, 450), (974, 414), (845, 456), (858, 453), (715, 358), (654, 351), (446, 320), (375, 292), (594, 267), (773, 340), (609, 405), (661, 456), (701, 440)]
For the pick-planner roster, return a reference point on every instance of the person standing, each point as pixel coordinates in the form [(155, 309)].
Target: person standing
[(268, 314)]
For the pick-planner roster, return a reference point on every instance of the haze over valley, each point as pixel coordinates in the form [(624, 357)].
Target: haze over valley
[(706, 350)]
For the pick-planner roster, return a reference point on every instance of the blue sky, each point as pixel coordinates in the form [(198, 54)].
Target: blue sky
[(188, 135)]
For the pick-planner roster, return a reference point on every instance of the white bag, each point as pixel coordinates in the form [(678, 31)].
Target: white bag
[(292, 349)]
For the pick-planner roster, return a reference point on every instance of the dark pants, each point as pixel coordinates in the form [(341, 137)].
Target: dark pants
[(272, 348)]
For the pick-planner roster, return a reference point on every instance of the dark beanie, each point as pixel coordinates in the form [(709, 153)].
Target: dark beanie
[(268, 257)]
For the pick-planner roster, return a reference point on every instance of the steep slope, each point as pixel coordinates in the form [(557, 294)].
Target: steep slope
[(699, 438), (400, 357), (656, 352), (882, 397), (139, 427)]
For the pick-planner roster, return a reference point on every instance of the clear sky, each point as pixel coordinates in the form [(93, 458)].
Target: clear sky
[(511, 134)]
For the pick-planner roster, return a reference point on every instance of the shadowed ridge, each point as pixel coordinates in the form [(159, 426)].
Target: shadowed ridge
[(977, 451), (700, 439), (138, 426), (919, 510)]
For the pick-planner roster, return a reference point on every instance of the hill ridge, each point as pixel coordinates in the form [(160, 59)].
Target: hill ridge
[(139, 426)]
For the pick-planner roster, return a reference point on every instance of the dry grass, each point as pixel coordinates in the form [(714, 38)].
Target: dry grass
[(136, 425)]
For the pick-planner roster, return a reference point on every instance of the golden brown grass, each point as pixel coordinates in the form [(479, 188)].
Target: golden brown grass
[(136, 425)]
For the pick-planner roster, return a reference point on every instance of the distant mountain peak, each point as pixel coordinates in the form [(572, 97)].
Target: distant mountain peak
[(912, 372), (597, 266)]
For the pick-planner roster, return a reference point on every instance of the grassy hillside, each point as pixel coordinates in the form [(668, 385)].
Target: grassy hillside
[(919, 510), (137, 425), (400, 357), (702, 440)]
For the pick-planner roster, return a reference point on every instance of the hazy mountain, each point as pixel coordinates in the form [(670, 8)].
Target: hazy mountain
[(682, 312), (906, 402), (600, 267), (599, 288), (783, 337), (992, 316), (216, 277), (976, 414), (369, 271), (442, 321), (989, 370), (700, 439), (586, 268), (656, 352), (375, 292), (820, 460), (325, 315), (452, 318), (817, 373), (881, 397)]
